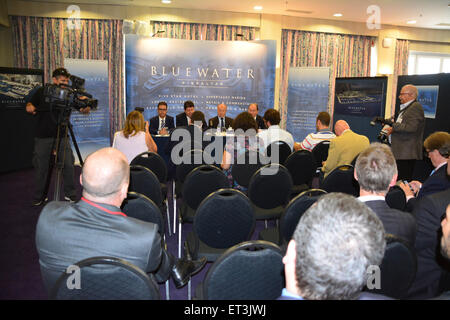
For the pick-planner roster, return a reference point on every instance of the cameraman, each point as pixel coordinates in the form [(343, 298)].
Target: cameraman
[(45, 144), (407, 132)]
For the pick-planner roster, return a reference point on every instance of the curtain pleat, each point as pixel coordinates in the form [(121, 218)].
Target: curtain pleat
[(43, 43), (400, 67)]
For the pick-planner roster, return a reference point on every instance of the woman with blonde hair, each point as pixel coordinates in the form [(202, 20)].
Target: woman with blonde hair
[(135, 137)]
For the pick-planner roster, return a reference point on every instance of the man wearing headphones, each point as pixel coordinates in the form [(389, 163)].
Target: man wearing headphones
[(45, 144)]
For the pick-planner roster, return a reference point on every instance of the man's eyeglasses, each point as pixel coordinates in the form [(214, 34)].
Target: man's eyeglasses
[(162, 109)]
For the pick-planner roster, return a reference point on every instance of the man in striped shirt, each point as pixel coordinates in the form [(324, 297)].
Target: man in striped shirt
[(323, 133)]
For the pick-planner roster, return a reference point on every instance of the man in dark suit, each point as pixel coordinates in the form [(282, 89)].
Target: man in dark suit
[(437, 147), (432, 276), (221, 120), (253, 110), (376, 171), (184, 119), (407, 132), (162, 123), (325, 262), (67, 233)]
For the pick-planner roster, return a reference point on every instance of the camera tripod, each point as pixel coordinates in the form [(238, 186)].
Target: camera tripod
[(60, 141)]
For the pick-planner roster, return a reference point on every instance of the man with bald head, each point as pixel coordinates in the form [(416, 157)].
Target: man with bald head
[(344, 148), (67, 233), (221, 120), (407, 132)]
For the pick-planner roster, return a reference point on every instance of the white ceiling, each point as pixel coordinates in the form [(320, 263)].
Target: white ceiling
[(427, 13)]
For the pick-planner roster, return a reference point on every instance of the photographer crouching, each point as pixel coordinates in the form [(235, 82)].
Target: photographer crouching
[(45, 144)]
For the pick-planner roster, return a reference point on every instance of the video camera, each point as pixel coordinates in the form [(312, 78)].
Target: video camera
[(73, 97), (383, 135)]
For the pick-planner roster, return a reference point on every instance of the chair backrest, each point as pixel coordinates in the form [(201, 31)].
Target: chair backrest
[(342, 180), (224, 219), (396, 198), (144, 181), (140, 207), (280, 147), (194, 159), (295, 210), (398, 268), (251, 270), (245, 166), (270, 186), (153, 162), (106, 278), (202, 181), (302, 166), (320, 152)]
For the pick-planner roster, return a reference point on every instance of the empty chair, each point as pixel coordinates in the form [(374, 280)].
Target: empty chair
[(397, 270), (269, 191), (198, 184), (301, 166), (290, 218), (251, 270), (244, 168), (282, 151), (140, 207), (145, 182), (320, 153), (223, 219), (342, 180), (396, 198), (107, 278)]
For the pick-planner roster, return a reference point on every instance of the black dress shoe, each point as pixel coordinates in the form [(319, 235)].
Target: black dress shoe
[(183, 269)]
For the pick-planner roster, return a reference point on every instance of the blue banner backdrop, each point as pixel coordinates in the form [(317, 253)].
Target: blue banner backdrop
[(308, 92), (92, 130), (358, 100), (236, 73)]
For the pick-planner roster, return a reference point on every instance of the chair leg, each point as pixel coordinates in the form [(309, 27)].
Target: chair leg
[(168, 218), (167, 290)]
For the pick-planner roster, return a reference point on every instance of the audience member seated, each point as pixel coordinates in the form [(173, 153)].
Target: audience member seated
[(162, 123), (344, 148), (95, 226), (376, 172), (274, 132), (221, 121), (437, 148), (323, 133), (333, 245), (432, 277), (135, 137), (245, 139)]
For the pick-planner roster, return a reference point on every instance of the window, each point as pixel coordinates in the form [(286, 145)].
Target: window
[(428, 63)]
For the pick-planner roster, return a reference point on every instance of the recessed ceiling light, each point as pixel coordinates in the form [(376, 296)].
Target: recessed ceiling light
[(337, 15), (411, 22), (166, 1), (258, 7)]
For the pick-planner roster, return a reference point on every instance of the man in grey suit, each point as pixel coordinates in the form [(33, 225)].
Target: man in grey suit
[(376, 171), (407, 132), (67, 233)]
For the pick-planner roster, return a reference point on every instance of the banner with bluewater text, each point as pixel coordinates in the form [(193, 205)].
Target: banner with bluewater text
[(91, 130), (236, 73), (308, 92)]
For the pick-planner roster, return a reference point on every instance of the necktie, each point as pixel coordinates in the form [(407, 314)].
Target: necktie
[(162, 123), (221, 123)]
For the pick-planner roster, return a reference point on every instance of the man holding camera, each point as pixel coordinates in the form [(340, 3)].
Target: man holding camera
[(45, 141)]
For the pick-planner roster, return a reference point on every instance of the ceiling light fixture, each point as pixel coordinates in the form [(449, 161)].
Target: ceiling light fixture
[(337, 15), (411, 22), (166, 1), (258, 7)]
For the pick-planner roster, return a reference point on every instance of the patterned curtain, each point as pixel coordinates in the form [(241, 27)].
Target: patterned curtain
[(346, 55), (400, 67), (197, 31), (43, 43)]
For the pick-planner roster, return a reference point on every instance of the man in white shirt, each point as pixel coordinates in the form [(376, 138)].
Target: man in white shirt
[(323, 133), (274, 132)]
